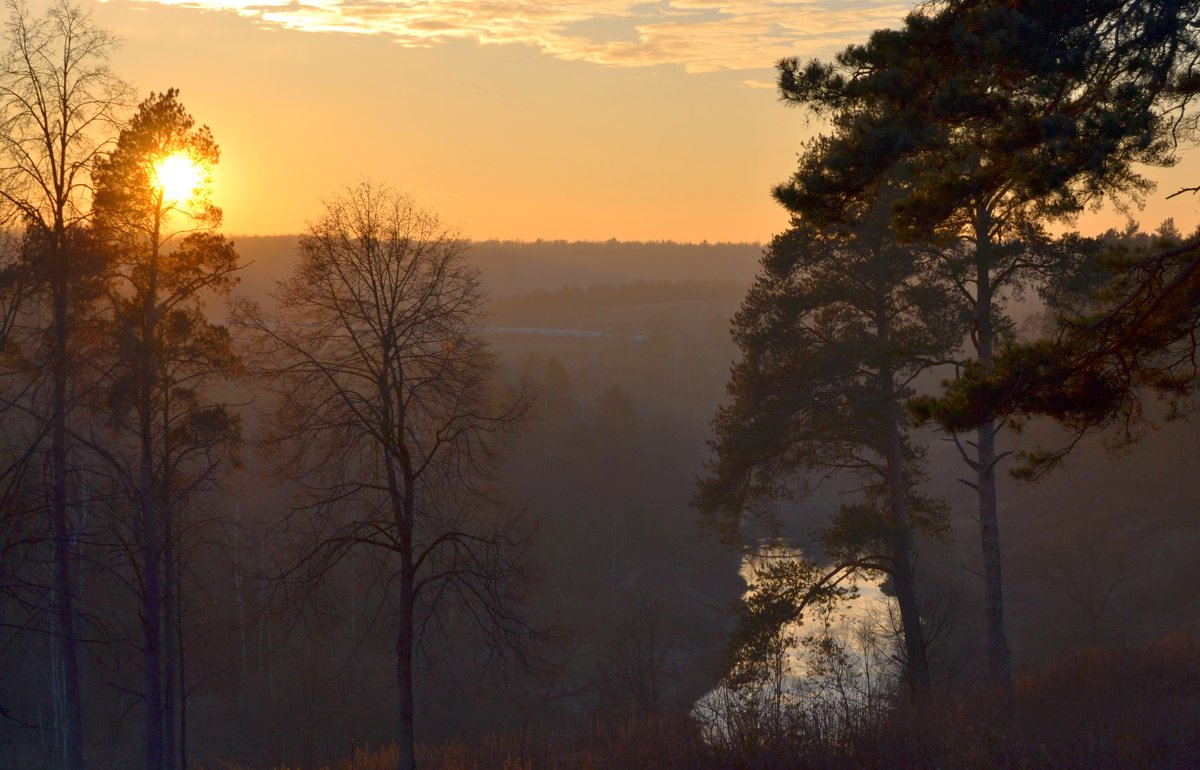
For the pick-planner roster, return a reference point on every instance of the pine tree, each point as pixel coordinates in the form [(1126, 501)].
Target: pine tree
[(834, 330), (171, 437), (1000, 117)]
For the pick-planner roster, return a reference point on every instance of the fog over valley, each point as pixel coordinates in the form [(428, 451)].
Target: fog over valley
[(852, 425)]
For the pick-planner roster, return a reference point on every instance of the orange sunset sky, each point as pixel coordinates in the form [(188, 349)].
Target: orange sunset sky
[(514, 119)]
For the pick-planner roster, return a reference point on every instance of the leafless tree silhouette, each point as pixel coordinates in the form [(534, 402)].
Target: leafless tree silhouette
[(389, 421)]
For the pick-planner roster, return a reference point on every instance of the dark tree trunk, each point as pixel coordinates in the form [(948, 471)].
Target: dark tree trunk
[(917, 664), (151, 629), (170, 637), (999, 665), (183, 698), (150, 551), (917, 667), (183, 689), (404, 672), (64, 599), (402, 494)]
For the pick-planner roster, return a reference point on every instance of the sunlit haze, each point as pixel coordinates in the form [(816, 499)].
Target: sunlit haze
[(511, 120), (177, 176)]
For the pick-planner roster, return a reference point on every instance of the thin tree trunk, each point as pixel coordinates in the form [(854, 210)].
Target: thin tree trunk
[(404, 505), (999, 664), (170, 631), (902, 571), (183, 697), (402, 494), (170, 591), (64, 611), (151, 614), (237, 585), (266, 651), (47, 724), (917, 664), (404, 671), (151, 561)]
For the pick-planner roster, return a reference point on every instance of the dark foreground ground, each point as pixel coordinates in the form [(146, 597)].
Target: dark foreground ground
[(1118, 709)]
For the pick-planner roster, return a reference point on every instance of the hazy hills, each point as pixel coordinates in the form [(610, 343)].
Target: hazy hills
[(513, 267)]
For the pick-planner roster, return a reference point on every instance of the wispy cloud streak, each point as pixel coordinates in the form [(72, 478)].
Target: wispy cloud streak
[(698, 35)]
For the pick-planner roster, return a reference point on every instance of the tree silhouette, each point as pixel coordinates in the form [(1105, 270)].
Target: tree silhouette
[(57, 105), (1135, 334), (386, 399), (1000, 117), (18, 295), (833, 332), (171, 439)]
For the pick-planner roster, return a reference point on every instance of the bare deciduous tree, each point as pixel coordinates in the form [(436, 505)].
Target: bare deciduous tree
[(639, 661), (57, 99), (392, 421)]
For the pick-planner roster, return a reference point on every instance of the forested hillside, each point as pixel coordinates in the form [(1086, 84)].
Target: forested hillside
[(910, 483)]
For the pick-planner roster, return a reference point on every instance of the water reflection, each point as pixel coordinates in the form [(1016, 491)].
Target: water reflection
[(837, 665)]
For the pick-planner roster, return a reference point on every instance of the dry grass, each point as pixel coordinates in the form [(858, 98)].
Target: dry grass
[(638, 743), (1098, 710)]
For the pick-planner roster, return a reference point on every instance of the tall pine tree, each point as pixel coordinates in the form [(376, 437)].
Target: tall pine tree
[(155, 217), (1001, 116), (832, 334)]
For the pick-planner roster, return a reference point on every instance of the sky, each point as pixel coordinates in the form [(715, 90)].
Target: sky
[(511, 119)]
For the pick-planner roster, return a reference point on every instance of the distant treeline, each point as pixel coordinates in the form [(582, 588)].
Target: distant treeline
[(517, 267), (578, 304)]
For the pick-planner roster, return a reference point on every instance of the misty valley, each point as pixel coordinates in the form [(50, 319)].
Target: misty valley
[(908, 484)]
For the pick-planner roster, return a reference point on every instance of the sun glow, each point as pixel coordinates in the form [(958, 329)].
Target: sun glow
[(178, 177)]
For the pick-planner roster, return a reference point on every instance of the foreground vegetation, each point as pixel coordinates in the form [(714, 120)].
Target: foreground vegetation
[(1097, 710)]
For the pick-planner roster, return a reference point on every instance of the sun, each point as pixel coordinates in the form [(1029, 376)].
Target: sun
[(177, 176)]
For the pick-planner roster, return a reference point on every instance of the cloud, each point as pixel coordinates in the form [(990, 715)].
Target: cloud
[(698, 35)]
